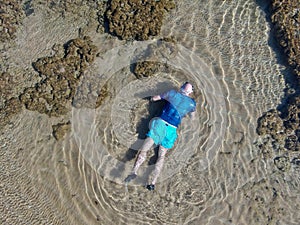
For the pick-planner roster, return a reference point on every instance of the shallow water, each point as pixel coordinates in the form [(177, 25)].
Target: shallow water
[(214, 175)]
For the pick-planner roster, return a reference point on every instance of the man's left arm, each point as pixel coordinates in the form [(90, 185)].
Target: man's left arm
[(162, 96), (192, 115), (155, 98)]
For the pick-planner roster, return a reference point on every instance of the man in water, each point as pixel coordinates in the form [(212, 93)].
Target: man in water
[(163, 130)]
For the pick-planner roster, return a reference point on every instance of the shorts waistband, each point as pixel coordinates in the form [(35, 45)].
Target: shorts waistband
[(168, 124)]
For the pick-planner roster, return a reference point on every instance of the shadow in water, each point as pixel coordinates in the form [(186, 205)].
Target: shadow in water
[(290, 76)]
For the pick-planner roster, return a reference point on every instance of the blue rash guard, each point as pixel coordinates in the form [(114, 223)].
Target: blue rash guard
[(177, 106)]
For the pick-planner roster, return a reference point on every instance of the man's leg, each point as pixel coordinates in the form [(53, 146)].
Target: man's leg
[(148, 143), (158, 166), (141, 158)]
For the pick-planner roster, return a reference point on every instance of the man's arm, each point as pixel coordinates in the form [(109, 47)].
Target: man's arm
[(156, 98), (192, 115)]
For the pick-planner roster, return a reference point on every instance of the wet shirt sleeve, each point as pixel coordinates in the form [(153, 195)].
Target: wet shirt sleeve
[(193, 106), (166, 95)]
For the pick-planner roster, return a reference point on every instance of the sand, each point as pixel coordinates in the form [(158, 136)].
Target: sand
[(69, 168)]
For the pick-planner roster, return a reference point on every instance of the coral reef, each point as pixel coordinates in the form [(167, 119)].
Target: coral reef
[(136, 19), (286, 18), (11, 16), (149, 62), (281, 133), (61, 129), (146, 68), (9, 104), (60, 75), (280, 127)]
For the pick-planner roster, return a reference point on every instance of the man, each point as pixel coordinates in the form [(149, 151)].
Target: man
[(163, 130)]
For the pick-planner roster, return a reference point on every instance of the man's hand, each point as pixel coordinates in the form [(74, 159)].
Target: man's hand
[(155, 98)]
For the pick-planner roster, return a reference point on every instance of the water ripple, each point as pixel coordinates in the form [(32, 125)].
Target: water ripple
[(214, 175)]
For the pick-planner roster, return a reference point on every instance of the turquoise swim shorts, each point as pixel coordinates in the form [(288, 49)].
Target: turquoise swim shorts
[(162, 133)]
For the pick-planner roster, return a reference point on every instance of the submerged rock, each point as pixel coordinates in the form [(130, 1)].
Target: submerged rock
[(292, 143), (270, 123), (286, 18), (282, 163), (146, 68), (136, 19), (9, 103), (61, 129), (11, 17), (281, 126), (149, 62), (10, 107), (282, 129), (60, 76)]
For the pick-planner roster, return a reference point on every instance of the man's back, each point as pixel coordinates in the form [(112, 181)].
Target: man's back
[(177, 106)]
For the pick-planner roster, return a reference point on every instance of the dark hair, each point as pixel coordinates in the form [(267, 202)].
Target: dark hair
[(185, 83)]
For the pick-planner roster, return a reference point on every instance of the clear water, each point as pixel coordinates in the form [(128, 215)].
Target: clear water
[(214, 175)]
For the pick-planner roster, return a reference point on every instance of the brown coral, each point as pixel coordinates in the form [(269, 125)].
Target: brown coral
[(60, 76), (148, 63), (9, 105), (136, 19), (283, 125), (61, 129), (11, 15), (283, 128), (286, 18), (270, 123)]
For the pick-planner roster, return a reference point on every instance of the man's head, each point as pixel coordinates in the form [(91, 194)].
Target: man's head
[(187, 88)]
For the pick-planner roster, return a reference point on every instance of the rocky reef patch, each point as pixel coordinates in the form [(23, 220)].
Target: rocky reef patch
[(136, 19), (59, 79), (281, 134), (11, 16), (148, 63), (61, 129), (51, 91), (280, 127), (286, 19), (60, 75)]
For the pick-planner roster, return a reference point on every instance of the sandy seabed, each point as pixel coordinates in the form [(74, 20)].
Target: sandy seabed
[(68, 167)]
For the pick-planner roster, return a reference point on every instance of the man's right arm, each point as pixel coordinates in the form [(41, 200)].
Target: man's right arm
[(156, 98), (162, 96)]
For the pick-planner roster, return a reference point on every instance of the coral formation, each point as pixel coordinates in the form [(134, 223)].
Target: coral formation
[(136, 19), (11, 15), (9, 104), (286, 18), (54, 88), (146, 68), (61, 129), (280, 127), (281, 133), (60, 75), (149, 62)]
